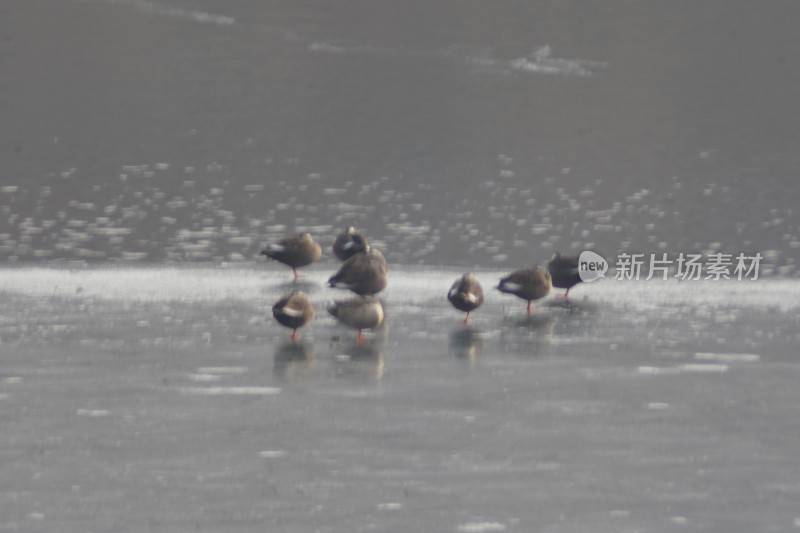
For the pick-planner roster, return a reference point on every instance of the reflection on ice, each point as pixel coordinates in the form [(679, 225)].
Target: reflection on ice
[(527, 335), (308, 286), (293, 361), (360, 362), (537, 323), (604, 388), (573, 306), (466, 343), (156, 308)]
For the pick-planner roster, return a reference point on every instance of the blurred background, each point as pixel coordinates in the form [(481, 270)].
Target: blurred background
[(456, 132)]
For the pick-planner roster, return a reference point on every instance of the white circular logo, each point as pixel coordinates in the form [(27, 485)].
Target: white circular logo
[(591, 266)]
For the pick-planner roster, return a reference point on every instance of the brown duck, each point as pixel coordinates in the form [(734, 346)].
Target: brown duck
[(528, 283), (466, 294), (564, 271), (349, 243), (296, 252), (365, 273), (293, 311), (360, 313)]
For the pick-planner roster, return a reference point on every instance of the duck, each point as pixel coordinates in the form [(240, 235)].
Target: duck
[(365, 312), (366, 273), (349, 243), (564, 272), (294, 311), (528, 283), (295, 252), (466, 294)]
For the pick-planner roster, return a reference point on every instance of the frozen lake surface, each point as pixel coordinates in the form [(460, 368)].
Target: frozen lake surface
[(167, 399), (455, 132)]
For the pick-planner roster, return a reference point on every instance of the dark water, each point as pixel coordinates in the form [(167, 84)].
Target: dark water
[(455, 132)]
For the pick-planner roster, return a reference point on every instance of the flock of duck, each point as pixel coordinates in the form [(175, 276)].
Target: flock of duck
[(365, 272)]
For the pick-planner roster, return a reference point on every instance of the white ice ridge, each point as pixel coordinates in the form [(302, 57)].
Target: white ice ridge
[(727, 357), (680, 369), (137, 284), (481, 527), (156, 8), (778, 294), (418, 283), (541, 61), (407, 285), (272, 454), (93, 413), (231, 391)]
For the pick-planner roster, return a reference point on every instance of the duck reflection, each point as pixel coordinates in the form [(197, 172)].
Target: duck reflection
[(541, 323), (528, 335), (466, 344), (572, 306), (308, 286), (361, 362), (293, 361)]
